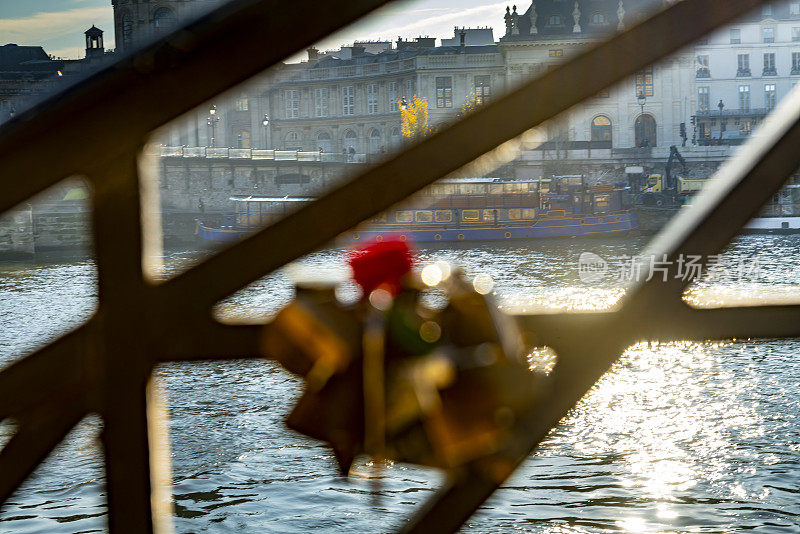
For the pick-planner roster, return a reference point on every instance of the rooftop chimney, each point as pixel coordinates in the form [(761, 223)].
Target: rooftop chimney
[(313, 55)]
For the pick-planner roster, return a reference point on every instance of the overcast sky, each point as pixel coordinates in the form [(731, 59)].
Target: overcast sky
[(58, 25)]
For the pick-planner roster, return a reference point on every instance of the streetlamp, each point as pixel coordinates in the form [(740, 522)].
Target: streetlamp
[(265, 124), (643, 141), (212, 121), (403, 104)]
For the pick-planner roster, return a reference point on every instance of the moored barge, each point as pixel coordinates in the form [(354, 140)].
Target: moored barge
[(475, 209)]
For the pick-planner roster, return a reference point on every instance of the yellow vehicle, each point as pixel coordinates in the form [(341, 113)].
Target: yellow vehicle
[(685, 186)]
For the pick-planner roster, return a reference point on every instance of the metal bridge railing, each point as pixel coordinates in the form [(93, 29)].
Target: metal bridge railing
[(104, 366)]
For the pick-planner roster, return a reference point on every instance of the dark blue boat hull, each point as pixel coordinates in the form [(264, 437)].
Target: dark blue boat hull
[(615, 223)]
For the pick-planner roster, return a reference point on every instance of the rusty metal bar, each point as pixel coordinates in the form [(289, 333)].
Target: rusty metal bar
[(210, 340), (52, 370), (39, 431), (454, 147), (143, 91), (130, 333)]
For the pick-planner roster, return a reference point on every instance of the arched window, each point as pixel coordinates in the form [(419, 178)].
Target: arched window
[(396, 138), (324, 142), (350, 140), (645, 131), (598, 18), (163, 20), (243, 139), (374, 141), (601, 128), (554, 20), (294, 141), (127, 30)]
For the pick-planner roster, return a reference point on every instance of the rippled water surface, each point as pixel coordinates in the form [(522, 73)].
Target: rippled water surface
[(677, 438)]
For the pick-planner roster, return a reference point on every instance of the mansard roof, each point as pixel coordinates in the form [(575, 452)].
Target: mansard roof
[(406, 52), (555, 19)]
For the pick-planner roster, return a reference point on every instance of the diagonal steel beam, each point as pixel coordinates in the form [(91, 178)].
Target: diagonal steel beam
[(52, 370), (39, 431), (455, 146), (142, 91)]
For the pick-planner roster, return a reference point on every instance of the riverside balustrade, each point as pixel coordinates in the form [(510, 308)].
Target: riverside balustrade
[(256, 154)]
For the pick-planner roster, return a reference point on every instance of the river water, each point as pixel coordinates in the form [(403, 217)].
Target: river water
[(681, 437)]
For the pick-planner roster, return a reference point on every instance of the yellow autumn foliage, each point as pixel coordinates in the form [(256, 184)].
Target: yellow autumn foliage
[(415, 118)]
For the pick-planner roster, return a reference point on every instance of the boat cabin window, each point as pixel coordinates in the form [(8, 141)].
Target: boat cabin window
[(404, 216), (444, 216), (528, 213), (470, 215), (491, 215), (472, 189), (379, 218), (602, 201), (516, 188), (515, 213), (425, 216), (496, 189)]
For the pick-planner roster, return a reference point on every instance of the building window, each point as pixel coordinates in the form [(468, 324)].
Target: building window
[(645, 131), (411, 88), (769, 65), (372, 98), (766, 10), (601, 128), (599, 18), (795, 62), (769, 96), (557, 53), (703, 99), (744, 98), (292, 99), (794, 8), (324, 143), (127, 30), (483, 89), (294, 141), (242, 104), (396, 138), (348, 100), (736, 36), (743, 67), (321, 102), (444, 92), (163, 20), (351, 141), (703, 71), (243, 139), (795, 35), (375, 141), (393, 106), (554, 20), (769, 35), (644, 82)]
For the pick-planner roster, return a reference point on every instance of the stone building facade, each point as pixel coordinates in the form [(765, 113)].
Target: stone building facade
[(334, 104), (644, 111), (139, 21), (743, 70)]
